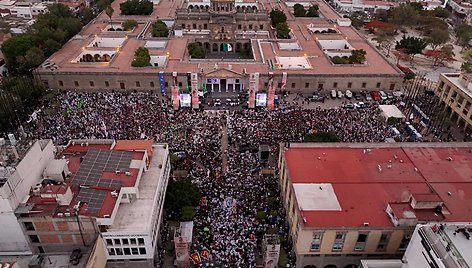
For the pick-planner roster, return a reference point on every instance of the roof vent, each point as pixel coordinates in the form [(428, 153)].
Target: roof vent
[(117, 172), (379, 167), (416, 169), (67, 214), (401, 161), (127, 173), (366, 224), (449, 158), (395, 157), (449, 193), (114, 194), (389, 166), (304, 220)]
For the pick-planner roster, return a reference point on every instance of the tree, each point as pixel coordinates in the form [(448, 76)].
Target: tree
[(357, 19), (159, 29), (277, 16), (128, 25), (196, 51), (357, 56), (321, 137), (313, 11), (141, 58), (60, 10), (441, 12), (282, 30), (437, 38), (109, 11), (4, 27), (299, 10), (180, 193), (136, 7), (15, 48), (412, 45), (463, 34), (404, 14), (466, 67), (416, 6), (87, 15), (102, 4)]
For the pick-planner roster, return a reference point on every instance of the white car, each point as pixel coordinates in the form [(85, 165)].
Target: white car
[(383, 96), (348, 94), (340, 94), (333, 94)]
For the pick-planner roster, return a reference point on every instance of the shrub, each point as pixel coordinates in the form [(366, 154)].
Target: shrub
[(159, 29), (136, 7), (128, 25), (196, 51)]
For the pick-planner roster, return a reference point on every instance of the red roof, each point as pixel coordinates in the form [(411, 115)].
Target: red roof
[(366, 180)]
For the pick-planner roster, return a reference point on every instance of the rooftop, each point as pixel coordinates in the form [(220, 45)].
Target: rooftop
[(464, 82), (367, 177)]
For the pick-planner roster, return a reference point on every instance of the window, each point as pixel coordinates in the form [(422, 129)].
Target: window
[(134, 251), (119, 251), (125, 241), (316, 242), (307, 85), (338, 246), (183, 25), (293, 85), (180, 84), (29, 226), (92, 84), (364, 84), (266, 84), (138, 84), (61, 84), (111, 251), (404, 243), (205, 26), (142, 251), (151, 84), (117, 241), (166, 84), (107, 84), (76, 83), (250, 26), (34, 238), (392, 86), (141, 241), (127, 251), (338, 242), (349, 85), (383, 242), (132, 241), (378, 85), (239, 27), (261, 27), (335, 84), (320, 86), (122, 85), (360, 244), (109, 242)]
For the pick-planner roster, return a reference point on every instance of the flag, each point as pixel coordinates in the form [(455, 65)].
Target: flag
[(195, 258), (227, 47), (205, 254)]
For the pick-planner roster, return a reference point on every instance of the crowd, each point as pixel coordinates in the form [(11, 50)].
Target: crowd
[(217, 151)]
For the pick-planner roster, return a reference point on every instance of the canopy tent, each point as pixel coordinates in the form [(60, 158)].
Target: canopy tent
[(391, 111)]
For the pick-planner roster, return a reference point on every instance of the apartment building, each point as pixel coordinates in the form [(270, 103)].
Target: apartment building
[(455, 93), (350, 202), (105, 189)]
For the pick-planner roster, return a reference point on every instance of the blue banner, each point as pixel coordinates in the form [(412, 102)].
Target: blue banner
[(162, 81)]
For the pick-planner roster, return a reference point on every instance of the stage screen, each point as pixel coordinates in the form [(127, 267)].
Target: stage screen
[(185, 100), (261, 99)]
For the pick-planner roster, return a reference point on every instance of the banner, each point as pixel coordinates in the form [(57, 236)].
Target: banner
[(252, 91), (205, 254), (194, 81), (272, 256), (162, 82), (270, 99), (195, 258), (284, 81), (175, 97), (181, 251), (257, 81)]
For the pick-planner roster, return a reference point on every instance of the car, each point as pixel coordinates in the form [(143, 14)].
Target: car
[(383, 95), (333, 94), (368, 97), (397, 93), (390, 95), (375, 95), (357, 95), (316, 98), (348, 94), (349, 105), (340, 94)]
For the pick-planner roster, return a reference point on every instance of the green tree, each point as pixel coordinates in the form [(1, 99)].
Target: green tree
[(187, 213), (60, 10), (357, 56), (437, 38), (466, 67), (416, 6), (282, 30), (463, 34), (412, 45), (357, 19), (277, 16), (441, 13), (141, 58), (15, 48), (87, 15), (404, 14), (180, 193), (299, 10), (159, 29), (339, 60), (196, 51), (109, 11), (321, 137), (313, 11), (102, 4), (128, 25), (136, 7)]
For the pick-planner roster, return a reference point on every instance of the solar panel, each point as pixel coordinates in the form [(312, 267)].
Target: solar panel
[(93, 198)]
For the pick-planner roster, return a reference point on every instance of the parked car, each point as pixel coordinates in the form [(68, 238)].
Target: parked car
[(375, 95), (357, 95), (348, 94), (349, 105), (316, 98), (340, 94), (390, 95), (383, 95), (333, 94)]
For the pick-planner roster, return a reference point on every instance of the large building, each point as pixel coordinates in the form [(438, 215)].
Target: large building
[(21, 167), (105, 189), (433, 245), (239, 41), (455, 94), (347, 202)]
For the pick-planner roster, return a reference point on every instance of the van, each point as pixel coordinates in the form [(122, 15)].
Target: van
[(333, 94)]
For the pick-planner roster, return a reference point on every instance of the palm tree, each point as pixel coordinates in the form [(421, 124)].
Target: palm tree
[(109, 11)]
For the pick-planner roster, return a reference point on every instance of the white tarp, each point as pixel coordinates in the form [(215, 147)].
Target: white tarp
[(391, 111)]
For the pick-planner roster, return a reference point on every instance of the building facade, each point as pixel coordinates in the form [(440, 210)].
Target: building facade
[(347, 203), (455, 94)]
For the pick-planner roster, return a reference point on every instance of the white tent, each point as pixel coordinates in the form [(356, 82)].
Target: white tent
[(391, 111)]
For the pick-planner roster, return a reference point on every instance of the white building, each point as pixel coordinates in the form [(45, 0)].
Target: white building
[(132, 236), (363, 5), (433, 245), (27, 10), (21, 167)]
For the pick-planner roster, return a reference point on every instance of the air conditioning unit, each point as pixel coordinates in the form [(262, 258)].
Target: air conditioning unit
[(117, 172), (67, 214), (127, 173), (114, 194), (60, 214)]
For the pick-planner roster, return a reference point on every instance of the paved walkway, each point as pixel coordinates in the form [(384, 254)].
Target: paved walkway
[(224, 147)]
